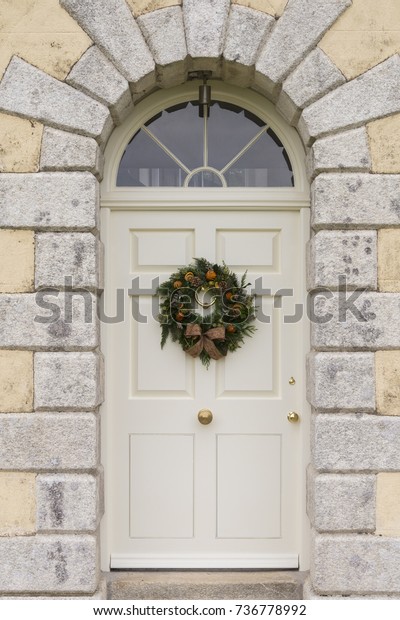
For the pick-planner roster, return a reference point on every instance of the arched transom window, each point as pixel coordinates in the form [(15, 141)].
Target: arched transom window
[(231, 148)]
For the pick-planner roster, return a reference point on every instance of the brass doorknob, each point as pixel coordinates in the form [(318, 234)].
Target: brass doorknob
[(205, 416), (292, 416)]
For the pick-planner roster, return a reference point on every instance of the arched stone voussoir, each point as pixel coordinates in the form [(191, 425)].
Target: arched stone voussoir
[(301, 26), (96, 76), (29, 92), (205, 27), (370, 96), (312, 79), (246, 33), (164, 33), (111, 25)]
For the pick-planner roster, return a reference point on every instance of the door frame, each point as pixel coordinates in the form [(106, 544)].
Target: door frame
[(172, 199)]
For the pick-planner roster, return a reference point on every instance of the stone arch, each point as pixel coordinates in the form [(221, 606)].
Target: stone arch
[(279, 58)]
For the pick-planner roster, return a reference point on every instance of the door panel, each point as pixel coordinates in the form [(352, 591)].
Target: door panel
[(183, 494)]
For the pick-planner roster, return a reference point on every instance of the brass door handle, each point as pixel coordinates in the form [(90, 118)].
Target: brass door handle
[(205, 416), (292, 416)]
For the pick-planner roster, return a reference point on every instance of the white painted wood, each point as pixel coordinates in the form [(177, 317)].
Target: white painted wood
[(250, 454)]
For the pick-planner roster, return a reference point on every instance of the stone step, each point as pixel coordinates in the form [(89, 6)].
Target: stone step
[(206, 585)]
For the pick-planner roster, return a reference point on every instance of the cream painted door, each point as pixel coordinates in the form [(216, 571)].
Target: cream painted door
[(182, 494)]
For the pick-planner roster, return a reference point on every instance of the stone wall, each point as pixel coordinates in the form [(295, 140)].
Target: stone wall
[(71, 73)]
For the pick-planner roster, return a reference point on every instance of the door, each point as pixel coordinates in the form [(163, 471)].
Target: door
[(183, 494)]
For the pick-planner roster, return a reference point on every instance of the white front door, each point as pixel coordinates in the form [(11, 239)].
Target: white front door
[(181, 494)]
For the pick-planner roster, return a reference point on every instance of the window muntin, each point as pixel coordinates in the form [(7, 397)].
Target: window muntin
[(177, 148)]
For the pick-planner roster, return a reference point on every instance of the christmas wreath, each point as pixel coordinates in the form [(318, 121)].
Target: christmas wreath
[(230, 309)]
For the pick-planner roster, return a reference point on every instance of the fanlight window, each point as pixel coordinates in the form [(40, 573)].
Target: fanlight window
[(230, 148)]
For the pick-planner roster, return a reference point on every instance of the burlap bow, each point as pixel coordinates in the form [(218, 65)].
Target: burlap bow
[(205, 340)]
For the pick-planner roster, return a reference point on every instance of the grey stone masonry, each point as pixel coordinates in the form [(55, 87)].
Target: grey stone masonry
[(67, 502), (344, 151), (96, 76), (349, 564), (355, 200), (48, 564), (49, 319), (356, 320), (247, 30), (48, 441), (76, 256), (49, 200), (341, 502), (374, 94), (111, 25), (310, 595), (29, 92), (312, 79), (349, 254), (66, 151), (68, 381), (165, 35), (205, 27), (341, 381), (355, 442), (301, 26)]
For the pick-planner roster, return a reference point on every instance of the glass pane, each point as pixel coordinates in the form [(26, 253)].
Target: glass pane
[(145, 164), (182, 131), (205, 178), (265, 164), (229, 130)]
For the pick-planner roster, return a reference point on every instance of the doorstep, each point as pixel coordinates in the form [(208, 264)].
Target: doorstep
[(205, 585)]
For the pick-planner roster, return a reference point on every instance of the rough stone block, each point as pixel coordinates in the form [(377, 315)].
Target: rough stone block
[(18, 504), (384, 140), (68, 381), (387, 364), (341, 502), (17, 258), (29, 92), (96, 76), (16, 381), (205, 27), (49, 564), (68, 255), (165, 35), (20, 141), (355, 442), (355, 320), (48, 441), (296, 33), (247, 29), (358, 563), (62, 150), (344, 381), (388, 505), (266, 6), (138, 7), (49, 200), (68, 502), (355, 200), (370, 96), (345, 151), (111, 25), (49, 320), (389, 260), (312, 79), (349, 254)]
